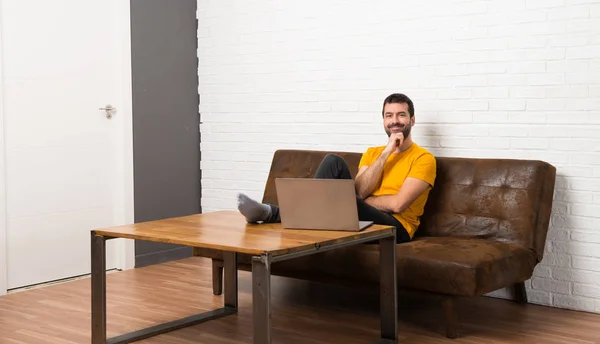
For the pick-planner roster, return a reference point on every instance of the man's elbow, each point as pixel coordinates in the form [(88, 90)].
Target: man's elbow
[(399, 206), (360, 191), (363, 195)]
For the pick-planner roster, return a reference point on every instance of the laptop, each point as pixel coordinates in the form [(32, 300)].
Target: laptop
[(318, 204)]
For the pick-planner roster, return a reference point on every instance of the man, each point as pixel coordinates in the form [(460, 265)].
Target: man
[(392, 183)]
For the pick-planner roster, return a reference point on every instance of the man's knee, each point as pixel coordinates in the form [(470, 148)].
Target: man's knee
[(333, 166), (332, 158)]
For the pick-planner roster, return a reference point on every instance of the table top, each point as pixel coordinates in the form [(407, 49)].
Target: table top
[(228, 230)]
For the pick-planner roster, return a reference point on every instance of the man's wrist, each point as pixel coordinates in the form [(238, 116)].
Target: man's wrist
[(385, 154)]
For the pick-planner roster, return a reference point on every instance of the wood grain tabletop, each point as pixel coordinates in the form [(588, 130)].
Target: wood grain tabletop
[(228, 230)]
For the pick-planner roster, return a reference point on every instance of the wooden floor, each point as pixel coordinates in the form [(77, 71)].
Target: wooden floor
[(302, 313)]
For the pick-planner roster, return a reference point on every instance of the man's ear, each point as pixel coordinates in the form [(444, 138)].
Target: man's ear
[(412, 121)]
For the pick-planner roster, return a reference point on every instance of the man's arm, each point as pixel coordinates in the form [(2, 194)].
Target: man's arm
[(368, 176), (411, 189)]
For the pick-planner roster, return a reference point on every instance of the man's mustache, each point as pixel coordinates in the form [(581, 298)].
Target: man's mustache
[(391, 126)]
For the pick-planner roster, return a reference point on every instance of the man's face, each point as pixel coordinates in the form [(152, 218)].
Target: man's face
[(397, 119)]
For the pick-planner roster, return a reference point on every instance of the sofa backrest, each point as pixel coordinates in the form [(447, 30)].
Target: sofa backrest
[(496, 199)]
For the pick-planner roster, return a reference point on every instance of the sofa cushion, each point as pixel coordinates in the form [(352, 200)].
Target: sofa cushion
[(456, 266), (462, 266)]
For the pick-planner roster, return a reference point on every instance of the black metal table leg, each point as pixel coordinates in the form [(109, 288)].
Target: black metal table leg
[(261, 298), (98, 248), (388, 290), (231, 280)]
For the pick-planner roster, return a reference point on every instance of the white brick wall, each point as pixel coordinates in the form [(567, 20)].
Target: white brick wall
[(511, 79)]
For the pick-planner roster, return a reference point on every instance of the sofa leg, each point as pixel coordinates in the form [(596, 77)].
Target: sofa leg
[(217, 276), (520, 293), (451, 317)]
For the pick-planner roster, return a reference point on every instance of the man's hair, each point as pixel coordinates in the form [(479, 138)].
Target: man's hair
[(399, 98)]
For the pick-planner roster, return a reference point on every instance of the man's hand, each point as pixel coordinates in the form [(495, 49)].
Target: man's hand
[(395, 141)]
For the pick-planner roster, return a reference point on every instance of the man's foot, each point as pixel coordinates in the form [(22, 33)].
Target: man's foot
[(252, 210)]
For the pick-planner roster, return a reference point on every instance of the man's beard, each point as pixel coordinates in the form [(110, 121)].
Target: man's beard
[(406, 130)]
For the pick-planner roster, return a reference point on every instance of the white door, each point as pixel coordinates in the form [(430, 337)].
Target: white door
[(68, 167)]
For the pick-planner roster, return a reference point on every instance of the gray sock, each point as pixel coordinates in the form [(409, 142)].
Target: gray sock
[(252, 210)]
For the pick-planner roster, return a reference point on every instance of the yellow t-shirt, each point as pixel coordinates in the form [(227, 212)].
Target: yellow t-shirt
[(414, 162)]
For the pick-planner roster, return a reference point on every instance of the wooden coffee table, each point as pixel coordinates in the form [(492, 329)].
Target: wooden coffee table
[(229, 232)]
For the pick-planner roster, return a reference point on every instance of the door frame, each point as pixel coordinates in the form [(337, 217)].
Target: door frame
[(126, 247), (3, 234)]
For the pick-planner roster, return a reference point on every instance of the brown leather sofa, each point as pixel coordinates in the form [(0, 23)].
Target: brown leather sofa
[(484, 228)]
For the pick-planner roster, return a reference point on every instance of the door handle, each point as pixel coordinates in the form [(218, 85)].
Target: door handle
[(109, 109)]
